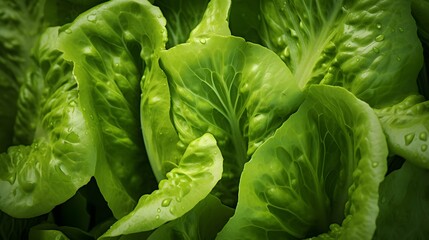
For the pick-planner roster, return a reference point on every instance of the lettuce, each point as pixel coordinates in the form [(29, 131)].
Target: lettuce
[(220, 119)]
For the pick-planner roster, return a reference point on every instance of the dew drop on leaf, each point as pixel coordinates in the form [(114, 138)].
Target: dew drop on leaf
[(409, 138), (11, 178), (423, 136), (173, 210), (92, 17), (424, 147), (379, 38), (374, 164), (166, 202)]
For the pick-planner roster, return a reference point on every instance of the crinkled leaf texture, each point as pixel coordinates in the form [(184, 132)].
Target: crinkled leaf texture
[(238, 91), (182, 17), (404, 205), (35, 178), (318, 176), (21, 23), (110, 50), (406, 126), (370, 47), (199, 169)]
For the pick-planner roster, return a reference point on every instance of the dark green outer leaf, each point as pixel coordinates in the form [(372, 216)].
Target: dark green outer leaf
[(20, 22), (29, 104), (62, 151), (404, 205), (420, 9), (110, 50), (369, 47)]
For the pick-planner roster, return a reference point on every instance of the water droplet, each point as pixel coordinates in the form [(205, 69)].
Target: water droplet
[(286, 52), (375, 49), (379, 38), (178, 199), (157, 217), (72, 104), (398, 58), (409, 138), (70, 129), (401, 29), (423, 136), (203, 41), (92, 17), (11, 178), (28, 179), (424, 147), (173, 210), (166, 202), (374, 164), (158, 210), (68, 31), (378, 25), (91, 116)]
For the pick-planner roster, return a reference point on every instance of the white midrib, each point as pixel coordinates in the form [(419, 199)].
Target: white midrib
[(312, 53)]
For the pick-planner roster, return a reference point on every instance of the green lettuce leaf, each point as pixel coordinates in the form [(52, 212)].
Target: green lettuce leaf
[(182, 17), (420, 9), (158, 130), (49, 231), (198, 171), (213, 22), (110, 51), (21, 23), (61, 152), (240, 92), (204, 221), (404, 205), (318, 176), (29, 103), (14, 228), (366, 46), (406, 126)]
